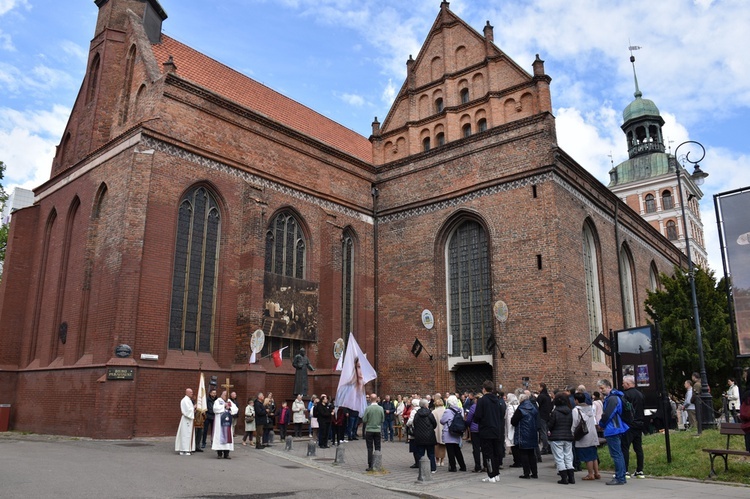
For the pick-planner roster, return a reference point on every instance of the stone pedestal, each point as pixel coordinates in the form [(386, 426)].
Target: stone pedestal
[(288, 445), (424, 470), (339, 455), (377, 461)]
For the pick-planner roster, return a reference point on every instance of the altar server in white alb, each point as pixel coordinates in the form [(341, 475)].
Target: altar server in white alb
[(223, 439), (184, 443)]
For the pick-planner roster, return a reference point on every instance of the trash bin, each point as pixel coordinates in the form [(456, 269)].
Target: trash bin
[(4, 416)]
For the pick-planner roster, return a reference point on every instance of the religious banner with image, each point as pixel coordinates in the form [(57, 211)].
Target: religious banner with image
[(290, 308)]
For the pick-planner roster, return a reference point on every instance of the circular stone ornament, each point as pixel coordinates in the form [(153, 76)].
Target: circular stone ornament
[(428, 320), (501, 311), (257, 340)]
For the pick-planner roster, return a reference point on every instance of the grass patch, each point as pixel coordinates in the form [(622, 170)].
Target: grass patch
[(688, 458)]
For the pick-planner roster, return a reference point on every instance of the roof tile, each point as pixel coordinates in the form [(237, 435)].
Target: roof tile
[(225, 81)]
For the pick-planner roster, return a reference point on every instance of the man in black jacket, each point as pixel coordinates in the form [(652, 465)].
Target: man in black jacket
[(545, 408), (208, 426), (490, 417), (261, 419), (635, 434)]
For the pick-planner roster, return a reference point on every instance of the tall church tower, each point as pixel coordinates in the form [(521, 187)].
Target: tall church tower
[(647, 180)]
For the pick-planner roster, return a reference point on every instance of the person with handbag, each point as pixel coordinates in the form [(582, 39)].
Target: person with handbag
[(587, 438), (249, 422)]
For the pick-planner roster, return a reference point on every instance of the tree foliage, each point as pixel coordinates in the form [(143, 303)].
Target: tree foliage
[(671, 307)]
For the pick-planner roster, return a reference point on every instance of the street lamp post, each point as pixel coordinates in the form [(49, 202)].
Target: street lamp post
[(698, 176)]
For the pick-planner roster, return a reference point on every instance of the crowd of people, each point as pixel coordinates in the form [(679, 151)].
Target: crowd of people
[(489, 426)]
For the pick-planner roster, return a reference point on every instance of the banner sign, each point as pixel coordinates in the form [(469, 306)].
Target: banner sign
[(735, 227)]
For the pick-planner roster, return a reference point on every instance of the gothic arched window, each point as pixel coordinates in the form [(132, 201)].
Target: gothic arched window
[(469, 289), (593, 293), (286, 247), (626, 286), (195, 275)]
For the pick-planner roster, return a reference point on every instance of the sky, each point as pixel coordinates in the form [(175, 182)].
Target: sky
[(346, 59)]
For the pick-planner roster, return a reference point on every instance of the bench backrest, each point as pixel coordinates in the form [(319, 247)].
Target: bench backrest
[(732, 429)]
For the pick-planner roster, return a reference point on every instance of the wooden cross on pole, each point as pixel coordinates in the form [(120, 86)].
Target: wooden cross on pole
[(227, 386)]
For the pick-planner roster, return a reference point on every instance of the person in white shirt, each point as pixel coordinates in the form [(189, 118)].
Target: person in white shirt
[(184, 442), (689, 405), (733, 399)]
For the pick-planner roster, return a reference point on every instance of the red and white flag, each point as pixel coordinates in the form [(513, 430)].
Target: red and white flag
[(277, 357), (252, 358)]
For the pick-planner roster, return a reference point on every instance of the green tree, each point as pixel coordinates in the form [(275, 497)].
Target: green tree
[(672, 308)]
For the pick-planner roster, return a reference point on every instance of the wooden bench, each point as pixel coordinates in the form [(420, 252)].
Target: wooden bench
[(727, 429)]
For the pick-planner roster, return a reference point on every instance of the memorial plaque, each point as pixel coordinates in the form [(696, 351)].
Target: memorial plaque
[(120, 373), (123, 351)]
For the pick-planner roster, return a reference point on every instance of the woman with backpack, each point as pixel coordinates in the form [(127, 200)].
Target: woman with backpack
[(452, 439)]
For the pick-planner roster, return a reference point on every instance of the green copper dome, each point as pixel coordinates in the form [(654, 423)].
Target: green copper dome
[(639, 108)]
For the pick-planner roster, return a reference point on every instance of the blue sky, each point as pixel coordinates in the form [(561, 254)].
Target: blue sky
[(346, 59)]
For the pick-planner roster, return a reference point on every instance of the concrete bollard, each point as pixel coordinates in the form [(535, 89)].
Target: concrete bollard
[(311, 446), (339, 455), (424, 470), (377, 461), (289, 445)]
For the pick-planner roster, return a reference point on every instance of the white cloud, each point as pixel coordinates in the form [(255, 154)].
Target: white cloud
[(389, 92), (39, 79), (8, 5), (75, 50), (352, 99), (27, 142), (6, 43)]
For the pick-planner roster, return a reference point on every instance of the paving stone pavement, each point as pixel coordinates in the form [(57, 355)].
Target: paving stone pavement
[(397, 476)]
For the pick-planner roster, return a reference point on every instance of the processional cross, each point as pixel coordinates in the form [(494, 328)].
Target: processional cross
[(227, 386)]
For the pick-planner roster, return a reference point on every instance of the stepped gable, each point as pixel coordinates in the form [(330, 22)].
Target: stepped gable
[(219, 78)]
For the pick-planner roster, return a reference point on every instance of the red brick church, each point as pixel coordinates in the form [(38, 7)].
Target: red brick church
[(189, 206)]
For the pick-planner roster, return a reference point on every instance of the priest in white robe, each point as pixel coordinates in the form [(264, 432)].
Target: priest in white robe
[(223, 438), (184, 443)]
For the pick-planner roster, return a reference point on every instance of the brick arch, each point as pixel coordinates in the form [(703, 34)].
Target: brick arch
[(454, 220), (40, 285), (93, 79), (127, 83), (437, 68), (424, 106), (460, 56), (477, 84), (64, 270), (527, 104)]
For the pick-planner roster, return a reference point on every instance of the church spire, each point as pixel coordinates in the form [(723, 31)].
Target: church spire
[(637, 93)]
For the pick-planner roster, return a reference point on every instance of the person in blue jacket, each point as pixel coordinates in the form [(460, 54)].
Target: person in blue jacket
[(614, 428)]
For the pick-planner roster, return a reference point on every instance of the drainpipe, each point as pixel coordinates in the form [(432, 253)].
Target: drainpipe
[(375, 193)]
